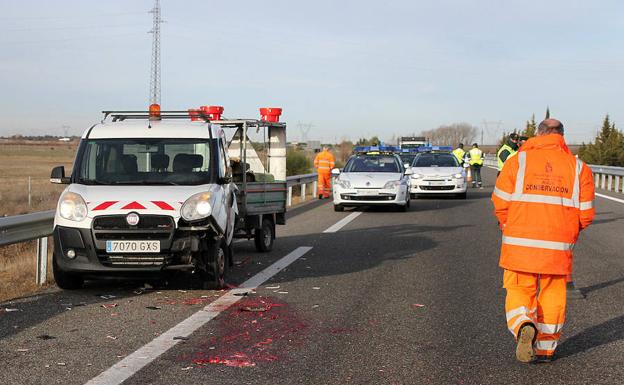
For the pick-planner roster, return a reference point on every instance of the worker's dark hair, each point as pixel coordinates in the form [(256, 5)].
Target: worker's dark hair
[(475, 145), (550, 126), (461, 145)]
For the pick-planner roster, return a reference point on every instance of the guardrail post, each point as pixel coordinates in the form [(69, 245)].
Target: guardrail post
[(314, 189), (289, 197), (617, 183), (42, 260), (303, 188), (597, 183), (609, 180), (603, 180)]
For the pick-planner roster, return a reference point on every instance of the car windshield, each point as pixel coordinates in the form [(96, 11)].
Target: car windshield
[(435, 160), (407, 158), (144, 162), (373, 163)]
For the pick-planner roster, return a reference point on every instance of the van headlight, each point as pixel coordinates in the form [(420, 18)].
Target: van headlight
[(417, 176), (458, 176), (72, 207), (197, 207), (343, 183), (392, 184)]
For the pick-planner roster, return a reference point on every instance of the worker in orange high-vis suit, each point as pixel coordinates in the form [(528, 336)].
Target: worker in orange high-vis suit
[(323, 163), (544, 196)]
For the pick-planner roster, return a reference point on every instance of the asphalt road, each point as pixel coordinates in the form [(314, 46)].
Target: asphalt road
[(390, 298)]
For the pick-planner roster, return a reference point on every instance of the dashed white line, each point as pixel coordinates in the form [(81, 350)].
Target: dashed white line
[(610, 198), (130, 365), (343, 222)]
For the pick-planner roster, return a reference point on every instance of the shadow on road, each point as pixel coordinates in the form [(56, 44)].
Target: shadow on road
[(595, 336), (602, 285)]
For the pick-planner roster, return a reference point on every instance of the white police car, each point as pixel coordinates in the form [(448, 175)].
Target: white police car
[(437, 173), (372, 178)]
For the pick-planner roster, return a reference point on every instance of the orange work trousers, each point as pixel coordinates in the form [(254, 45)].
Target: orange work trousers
[(539, 299), (324, 184)]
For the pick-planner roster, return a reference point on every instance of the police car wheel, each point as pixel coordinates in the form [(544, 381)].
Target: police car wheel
[(64, 279), (338, 208), (462, 195)]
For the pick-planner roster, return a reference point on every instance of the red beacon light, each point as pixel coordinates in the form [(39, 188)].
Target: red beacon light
[(194, 114), (212, 112), (154, 112), (270, 114)]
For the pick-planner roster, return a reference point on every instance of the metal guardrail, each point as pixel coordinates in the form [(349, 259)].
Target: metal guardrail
[(301, 180), (608, 178), (39, 225)]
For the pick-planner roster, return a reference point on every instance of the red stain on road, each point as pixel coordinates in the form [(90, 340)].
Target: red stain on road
[(256, 330)]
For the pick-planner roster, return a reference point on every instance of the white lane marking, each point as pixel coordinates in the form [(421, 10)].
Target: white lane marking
[(343, 222), (130, 365), (609, 197)]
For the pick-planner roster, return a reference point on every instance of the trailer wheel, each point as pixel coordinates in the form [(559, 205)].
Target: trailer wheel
[(215, 257), (264, 236), (64, 279)]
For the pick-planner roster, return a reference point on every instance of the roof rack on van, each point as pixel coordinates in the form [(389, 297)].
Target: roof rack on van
[(123, 115)]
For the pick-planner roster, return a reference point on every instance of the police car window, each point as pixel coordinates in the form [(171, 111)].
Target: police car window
[(372, 163), (435, 160), (146, 161)]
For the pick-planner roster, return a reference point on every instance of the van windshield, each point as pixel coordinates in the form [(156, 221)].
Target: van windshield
[(145, 162)]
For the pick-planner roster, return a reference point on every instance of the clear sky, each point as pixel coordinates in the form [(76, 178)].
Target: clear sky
[(351, 68)]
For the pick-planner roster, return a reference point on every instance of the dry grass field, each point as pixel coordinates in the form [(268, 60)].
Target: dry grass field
[(21, 160)]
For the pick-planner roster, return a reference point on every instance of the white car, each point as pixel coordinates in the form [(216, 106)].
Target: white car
[(372, 179), (437, 173)]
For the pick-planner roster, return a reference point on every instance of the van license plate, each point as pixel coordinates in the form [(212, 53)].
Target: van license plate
[(133, 246)]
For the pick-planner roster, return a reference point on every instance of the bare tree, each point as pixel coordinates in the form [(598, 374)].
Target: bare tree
[(451, 135)]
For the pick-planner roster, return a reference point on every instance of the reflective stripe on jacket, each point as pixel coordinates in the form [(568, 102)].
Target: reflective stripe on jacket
[(476, 156), (459, 154), (324, 162), (498, 154), (543, 197)]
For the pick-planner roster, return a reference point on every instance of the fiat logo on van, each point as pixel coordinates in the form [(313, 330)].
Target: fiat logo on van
[(132, 219)]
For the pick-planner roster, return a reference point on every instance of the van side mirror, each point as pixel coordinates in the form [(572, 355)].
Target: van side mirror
[(335, 171), (58, 175)]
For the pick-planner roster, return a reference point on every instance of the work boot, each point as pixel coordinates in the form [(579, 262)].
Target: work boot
[(320, 196), (526, 338)]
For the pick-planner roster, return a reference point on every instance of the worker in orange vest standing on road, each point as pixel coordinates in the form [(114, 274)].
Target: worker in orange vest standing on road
[(323, 163), (543, 198)]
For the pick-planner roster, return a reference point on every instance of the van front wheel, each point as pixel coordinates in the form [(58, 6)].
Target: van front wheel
[(64, 279)]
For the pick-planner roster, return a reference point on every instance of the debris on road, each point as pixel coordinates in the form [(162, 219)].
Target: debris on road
[(111, 337), (46, 337), (108, 305), (417, 305), (315, 306), (10, 310), (106, 296), (22, 350), (242, 294), (181, 338), (61, 363), (282, 292), (316, 288), (187, 368), (153, 307), (243, 263), (272, 287)]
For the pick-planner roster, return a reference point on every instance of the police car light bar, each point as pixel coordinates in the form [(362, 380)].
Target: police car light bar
[(379, 149), (435, 148)]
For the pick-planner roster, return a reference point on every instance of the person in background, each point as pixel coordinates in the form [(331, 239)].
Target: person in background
[(509, 148), (459, 152), (543, 198), (476, 162), (323, 163)]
